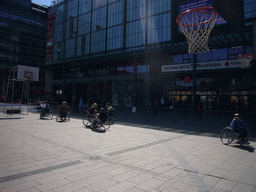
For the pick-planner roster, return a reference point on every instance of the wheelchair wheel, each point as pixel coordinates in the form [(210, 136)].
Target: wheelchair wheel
[(87, 121), (49, 116), (226, 136)]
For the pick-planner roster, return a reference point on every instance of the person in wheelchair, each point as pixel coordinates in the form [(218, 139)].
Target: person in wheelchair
[(238, 126), (45, 108), (64, 110), (103, 116), (111, 109)]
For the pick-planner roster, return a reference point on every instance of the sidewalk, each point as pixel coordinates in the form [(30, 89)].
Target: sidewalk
[(136, 155)]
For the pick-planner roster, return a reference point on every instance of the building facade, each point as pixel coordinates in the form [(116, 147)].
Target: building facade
[(23, 29), (130, 52)]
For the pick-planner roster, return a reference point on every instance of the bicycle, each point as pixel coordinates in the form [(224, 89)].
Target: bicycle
[(227, 136)]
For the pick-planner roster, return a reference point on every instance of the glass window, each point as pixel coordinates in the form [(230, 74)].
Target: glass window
[(204, 56), (58, 32), (99, 3), (142, 68), (98, 41), (115, 37), (220, 54), (158, 6), (235, 50), (249, 9), (99, 19), (136, 9), (116, 13), (84, 6), (84, 23), (177, 59), (159, 28), (83, 44), (135, 33), (70, 48)]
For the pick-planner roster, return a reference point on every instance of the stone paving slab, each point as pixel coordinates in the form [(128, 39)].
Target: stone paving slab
[(44, 155)]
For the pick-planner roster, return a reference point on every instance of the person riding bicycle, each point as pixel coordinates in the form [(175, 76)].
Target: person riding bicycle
[(64, 110), (110, 109), (238, 127)]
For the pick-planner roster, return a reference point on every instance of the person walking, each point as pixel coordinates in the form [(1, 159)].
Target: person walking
[(81, 105)]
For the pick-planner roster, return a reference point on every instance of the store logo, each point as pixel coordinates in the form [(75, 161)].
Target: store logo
[(206, 79)]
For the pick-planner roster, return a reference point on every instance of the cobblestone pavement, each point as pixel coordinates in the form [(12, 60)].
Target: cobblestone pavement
[(137, 154)]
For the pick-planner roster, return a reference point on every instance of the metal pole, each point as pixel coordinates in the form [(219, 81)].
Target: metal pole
[(194, 79)]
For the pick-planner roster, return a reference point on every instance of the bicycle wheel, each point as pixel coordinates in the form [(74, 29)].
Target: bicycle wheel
[(226, 136), (86, 121)]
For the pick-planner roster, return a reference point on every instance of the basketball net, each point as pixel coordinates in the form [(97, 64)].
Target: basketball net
[(245, 60), (197, 24)]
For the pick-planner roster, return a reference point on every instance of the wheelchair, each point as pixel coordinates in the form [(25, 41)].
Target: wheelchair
[(111, 118), (63, 116), (227, 137), (46, 114), (98, 126)]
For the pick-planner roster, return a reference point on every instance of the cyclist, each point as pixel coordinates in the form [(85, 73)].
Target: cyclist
[(238, 127), (64, 110)]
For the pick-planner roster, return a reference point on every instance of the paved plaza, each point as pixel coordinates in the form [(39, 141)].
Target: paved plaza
[(134, 156)]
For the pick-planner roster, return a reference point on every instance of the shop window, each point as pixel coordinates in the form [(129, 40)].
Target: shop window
[(188, 58), (205, 56), (142, 69), (177, 59), (219, 54)]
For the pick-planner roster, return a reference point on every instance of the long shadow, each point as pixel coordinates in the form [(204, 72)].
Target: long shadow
[(187, 124), (8, 118)]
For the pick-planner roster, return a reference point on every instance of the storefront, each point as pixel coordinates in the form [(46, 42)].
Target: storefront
[(220, 85)]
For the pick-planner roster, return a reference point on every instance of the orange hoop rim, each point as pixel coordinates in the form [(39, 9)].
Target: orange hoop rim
[(195, 9), (244, 56)]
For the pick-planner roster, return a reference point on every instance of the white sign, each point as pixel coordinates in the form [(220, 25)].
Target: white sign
[(224, 64)]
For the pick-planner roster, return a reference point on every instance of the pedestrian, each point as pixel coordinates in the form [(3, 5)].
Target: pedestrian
[(162, 102), (81, 105)]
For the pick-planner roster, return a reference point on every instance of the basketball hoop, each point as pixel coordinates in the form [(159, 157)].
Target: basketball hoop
[(197, 24), (29, 78), (245, 59)]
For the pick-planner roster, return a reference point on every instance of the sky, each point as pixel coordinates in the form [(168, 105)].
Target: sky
[(42, 2)]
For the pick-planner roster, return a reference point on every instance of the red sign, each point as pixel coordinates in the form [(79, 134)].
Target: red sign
[(187, 79)]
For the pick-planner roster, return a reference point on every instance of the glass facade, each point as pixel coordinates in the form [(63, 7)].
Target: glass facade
[(115, 41)]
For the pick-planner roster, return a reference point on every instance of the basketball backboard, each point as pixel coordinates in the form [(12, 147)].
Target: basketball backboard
[(233, 12), (28, 73)]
